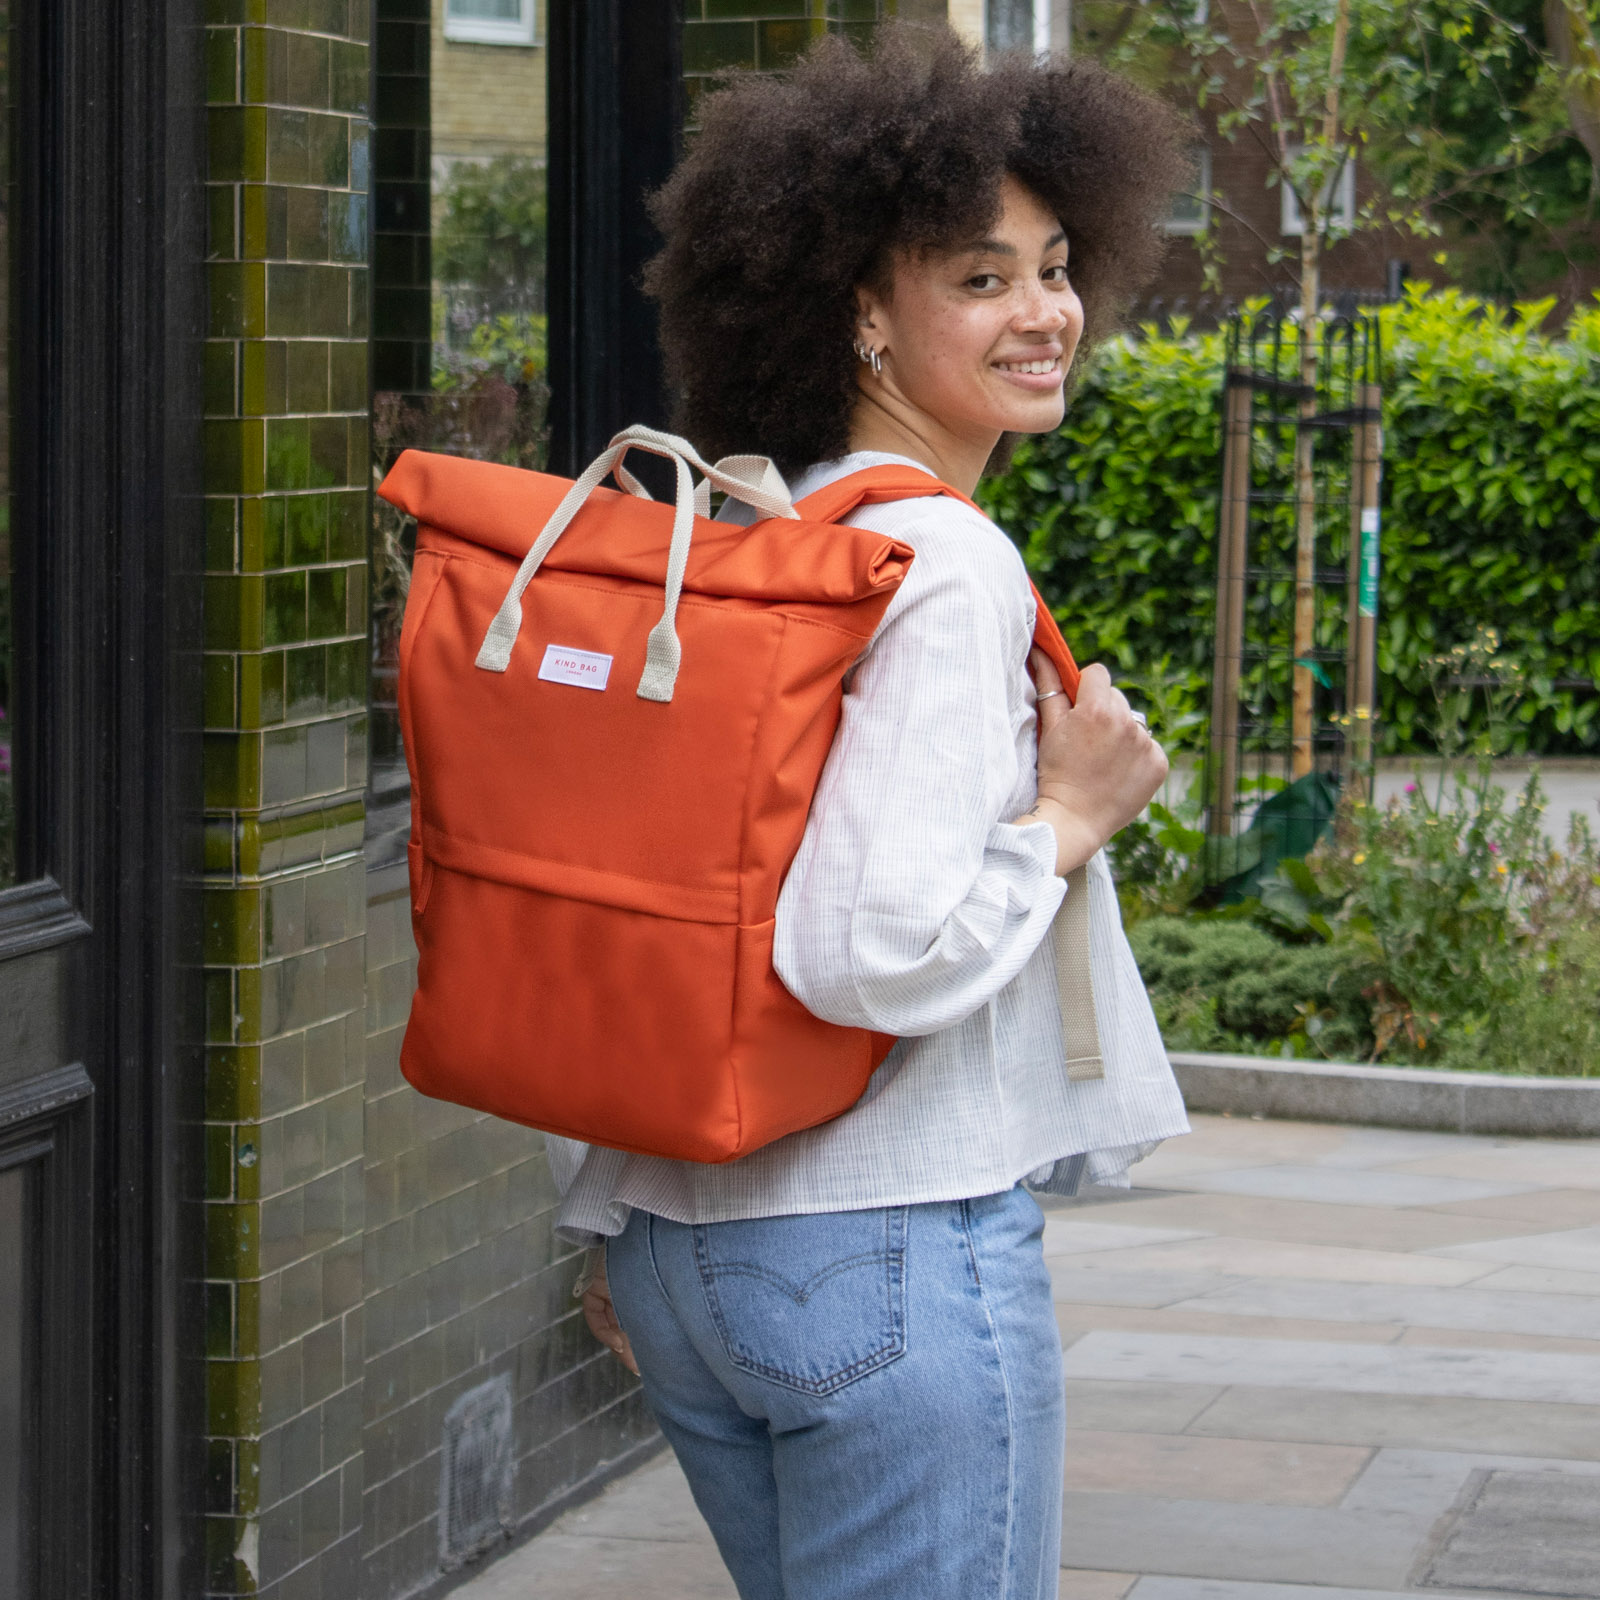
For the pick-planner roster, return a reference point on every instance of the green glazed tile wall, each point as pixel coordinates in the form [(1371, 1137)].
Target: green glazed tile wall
[(286, 454), (465, 1281), (371, 1254), (766, 35)]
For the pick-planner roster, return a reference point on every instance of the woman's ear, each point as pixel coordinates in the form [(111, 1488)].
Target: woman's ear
[(868, 311)]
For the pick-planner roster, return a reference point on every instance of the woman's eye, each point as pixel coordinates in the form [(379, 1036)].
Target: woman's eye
[(984, 281), (1056, 274)]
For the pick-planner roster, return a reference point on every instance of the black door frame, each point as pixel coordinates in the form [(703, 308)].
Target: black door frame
[(616, 110), (99, 964)]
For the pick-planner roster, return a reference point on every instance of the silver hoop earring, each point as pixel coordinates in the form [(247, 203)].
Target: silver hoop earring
[(871, 356)]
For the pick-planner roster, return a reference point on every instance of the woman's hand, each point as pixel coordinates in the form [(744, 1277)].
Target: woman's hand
[(1098, 767), (599, 1312)]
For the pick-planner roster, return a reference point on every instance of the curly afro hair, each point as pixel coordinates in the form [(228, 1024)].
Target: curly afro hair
[(801, 186)]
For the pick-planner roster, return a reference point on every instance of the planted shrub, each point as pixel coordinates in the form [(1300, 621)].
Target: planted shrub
[(1222, 984), (1491, 511)]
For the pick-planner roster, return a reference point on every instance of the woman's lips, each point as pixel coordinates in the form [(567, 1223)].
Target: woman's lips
[(1040, 373)]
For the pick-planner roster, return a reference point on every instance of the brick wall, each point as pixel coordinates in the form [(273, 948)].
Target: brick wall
[(488, 99), (1247, 221), (1251, 222)]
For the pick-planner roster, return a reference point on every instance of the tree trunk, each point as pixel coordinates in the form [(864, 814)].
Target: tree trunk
[(1571, 41)]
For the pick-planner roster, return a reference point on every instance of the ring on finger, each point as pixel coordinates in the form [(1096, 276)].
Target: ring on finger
[(1141, 719), (1049, 694)]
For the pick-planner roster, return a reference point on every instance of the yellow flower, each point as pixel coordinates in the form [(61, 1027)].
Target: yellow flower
[(1500, 867), (1361, 855)]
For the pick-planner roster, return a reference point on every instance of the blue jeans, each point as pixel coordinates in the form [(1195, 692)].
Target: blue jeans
[(867, 1404)]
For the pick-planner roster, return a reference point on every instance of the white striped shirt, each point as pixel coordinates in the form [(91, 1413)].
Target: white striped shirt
[(916, 907)]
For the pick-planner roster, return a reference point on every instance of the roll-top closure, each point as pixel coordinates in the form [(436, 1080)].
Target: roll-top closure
[(616, 535)]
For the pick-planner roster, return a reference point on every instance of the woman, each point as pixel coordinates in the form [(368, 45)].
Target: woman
[(848, 1336)]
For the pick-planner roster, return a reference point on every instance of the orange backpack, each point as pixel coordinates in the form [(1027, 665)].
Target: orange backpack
[(615, 712)]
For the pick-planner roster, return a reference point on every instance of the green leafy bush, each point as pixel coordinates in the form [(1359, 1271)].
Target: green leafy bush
[(1442, 929), (493, 226), (1222, 984), (1491, 510)]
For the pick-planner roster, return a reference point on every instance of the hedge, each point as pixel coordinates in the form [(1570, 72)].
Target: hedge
[(1491, 512)]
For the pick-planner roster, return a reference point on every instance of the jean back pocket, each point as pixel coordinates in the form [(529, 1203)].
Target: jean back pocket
[(810, 1302)]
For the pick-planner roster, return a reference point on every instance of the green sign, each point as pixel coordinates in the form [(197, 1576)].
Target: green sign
[(1367, 592)]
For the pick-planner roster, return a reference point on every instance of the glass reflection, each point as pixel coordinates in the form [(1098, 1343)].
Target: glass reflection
[(8, 815), (459, 312)]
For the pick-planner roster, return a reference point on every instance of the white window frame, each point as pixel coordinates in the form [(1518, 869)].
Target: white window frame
[(1189, 226), (1341, 191), (485, 30)]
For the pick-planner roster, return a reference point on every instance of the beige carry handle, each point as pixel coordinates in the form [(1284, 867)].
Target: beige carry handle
[(752, 479)]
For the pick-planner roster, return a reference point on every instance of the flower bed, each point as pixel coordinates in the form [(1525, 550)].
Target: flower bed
[(1442, 929)]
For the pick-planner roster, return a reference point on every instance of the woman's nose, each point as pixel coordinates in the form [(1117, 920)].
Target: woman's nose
[(1044, 311)]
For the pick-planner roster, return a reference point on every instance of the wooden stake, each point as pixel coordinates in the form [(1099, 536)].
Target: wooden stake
[(1361, 671), (1301, 745), (1302, 749), (1233, 538)]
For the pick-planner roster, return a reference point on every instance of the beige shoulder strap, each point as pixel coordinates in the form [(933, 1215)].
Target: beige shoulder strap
[(1080, 1028)]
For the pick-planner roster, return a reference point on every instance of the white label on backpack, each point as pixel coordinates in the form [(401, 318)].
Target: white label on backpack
[(586, 668)]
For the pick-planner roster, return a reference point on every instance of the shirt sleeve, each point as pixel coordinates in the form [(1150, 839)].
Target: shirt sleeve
[(913, 900)]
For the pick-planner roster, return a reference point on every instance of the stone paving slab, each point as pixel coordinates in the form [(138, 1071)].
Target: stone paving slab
[(1543, 1280), (1476, 1339), (1138, 1407), (1077, 1318), (1390, 1147), (1310, 1222), (1520, 1529), (1429, 1422), (1272, 1258), (1072, 1280), (1077, 1584), (1182, 1466), (1305, 1362), (1555, 1164), (1064, 1238), (1368, 1369), (1218, 1589), (1569, 1250), (1471, 1306), (1353, 1186), (1202, 1538), (1549, 1208)]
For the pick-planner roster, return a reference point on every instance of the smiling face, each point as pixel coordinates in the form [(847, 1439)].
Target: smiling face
[(973, 343)]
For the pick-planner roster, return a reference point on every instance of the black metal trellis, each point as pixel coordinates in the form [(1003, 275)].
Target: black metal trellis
[(1294, 664)]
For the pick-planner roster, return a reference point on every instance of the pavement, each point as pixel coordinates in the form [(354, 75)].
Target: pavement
[(1304, 1362)]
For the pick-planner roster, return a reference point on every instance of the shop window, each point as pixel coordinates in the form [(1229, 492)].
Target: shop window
[(458, 292), (491, 21)]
